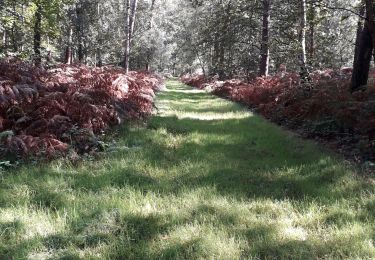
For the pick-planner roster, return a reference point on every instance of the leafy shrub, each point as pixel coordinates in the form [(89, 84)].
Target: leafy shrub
[(43, 108)]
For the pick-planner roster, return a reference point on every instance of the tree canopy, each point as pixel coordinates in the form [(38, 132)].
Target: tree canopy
[(220, 36)]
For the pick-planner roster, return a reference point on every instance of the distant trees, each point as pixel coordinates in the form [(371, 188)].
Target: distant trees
[(302, 34), (219, 37)]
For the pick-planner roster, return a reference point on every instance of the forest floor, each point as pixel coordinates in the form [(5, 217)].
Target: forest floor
[(204, 178)]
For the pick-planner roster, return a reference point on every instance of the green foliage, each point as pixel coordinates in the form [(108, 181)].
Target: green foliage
[(18, 18), (179, 36)]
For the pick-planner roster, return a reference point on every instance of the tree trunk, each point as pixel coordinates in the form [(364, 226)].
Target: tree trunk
[(4, 40), (99, 61), (130, 13), (225, 41), (22, 24), (360, 25), (302, 33), (80, 52), (132, 19), (312, 17), (150, 52), (362, 59), (215, 55), (265, 50), (370, 15), (152, 14), (221, 64), (14, 34), (127, 36), (304, 74), (38, 35), (68, 51)]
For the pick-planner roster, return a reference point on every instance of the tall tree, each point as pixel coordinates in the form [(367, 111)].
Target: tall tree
[(264, 49), (363, 54), (370, 19), (151, 26), (69, 47), (130, 14), (79, 28), (127, 36), (38, 34), (302, 41), (312, 24), (134, 4)]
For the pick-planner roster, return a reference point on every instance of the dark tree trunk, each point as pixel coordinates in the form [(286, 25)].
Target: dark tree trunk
[(221, 62), (362, 59), (14, 37), (80, 51), (99, 61), (215, 55), (265, 50), (312, 17), (150, 51), (225, 42), (22, 24), (370, 20), (15, 32), (38, 36), (131, 9)]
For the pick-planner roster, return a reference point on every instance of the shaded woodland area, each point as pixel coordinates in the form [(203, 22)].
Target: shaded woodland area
[(187, 129), (228, 38)]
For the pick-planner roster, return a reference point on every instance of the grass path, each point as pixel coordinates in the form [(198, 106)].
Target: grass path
[(204, 179)]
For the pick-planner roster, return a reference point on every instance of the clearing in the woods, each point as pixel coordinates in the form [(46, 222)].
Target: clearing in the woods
[(204, 178)]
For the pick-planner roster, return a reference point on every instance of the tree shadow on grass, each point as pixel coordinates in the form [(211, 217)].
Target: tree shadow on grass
[(259, 169), (237, 158)]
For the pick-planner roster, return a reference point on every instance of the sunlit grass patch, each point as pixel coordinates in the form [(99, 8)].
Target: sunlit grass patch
[(208, 116), (36, 222)]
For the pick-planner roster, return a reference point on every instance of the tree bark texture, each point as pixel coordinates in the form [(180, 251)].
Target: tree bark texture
[(38, 35), (68, 51), (362, 58), (304, 73), (265, 50), (127, 36)]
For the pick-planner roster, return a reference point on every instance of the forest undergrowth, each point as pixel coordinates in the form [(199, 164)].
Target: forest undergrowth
[(66, 109), (323, 109)]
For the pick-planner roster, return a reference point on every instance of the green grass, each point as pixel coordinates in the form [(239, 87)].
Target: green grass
[(204, 179)]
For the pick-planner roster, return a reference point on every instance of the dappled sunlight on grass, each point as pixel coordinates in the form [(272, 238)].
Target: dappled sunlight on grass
[(179, 104), (204, 179), (29, 223), (207, 116), (188, 91)]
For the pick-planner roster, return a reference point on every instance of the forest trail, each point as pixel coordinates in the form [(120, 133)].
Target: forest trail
[(204, 179)]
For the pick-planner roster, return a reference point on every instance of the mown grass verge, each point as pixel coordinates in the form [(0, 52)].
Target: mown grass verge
[(204, 178)]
